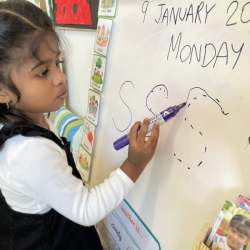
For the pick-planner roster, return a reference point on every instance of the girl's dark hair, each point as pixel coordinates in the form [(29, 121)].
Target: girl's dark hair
[(23, 27)]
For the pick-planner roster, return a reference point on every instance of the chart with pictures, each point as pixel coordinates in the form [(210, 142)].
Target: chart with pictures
[(107, 9)]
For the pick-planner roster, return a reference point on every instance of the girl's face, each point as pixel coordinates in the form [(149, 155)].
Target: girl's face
[(42, 84), (235, 239)]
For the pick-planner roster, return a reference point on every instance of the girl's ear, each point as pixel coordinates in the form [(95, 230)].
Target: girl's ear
[(5, 96)]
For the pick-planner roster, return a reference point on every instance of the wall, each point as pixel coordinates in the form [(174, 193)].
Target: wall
[(77, 68)]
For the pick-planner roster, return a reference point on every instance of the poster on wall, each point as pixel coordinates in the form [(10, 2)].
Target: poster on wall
[(123, 229), (103, 35), (98, 72), (107, 8)]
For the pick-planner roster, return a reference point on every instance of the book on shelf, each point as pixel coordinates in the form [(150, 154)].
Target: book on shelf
[(231, 230)]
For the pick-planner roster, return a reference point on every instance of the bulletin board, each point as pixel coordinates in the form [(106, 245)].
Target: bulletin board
[(163, 53)]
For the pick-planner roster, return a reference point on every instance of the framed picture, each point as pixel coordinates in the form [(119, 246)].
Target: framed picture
[(75, 14)]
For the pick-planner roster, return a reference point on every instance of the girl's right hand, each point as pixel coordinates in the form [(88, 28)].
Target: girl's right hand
[(140, 151)]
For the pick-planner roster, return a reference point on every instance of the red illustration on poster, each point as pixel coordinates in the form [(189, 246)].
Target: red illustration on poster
[(73, 12)]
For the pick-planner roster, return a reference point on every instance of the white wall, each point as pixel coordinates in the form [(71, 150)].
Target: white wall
[(77, 68)]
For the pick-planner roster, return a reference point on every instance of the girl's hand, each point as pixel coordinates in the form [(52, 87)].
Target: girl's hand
[(140, 151)]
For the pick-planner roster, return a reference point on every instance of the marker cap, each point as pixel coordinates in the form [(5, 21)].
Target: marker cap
[(122, 142)]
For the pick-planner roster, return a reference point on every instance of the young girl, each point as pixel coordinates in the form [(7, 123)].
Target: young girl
[(43, 202), (238, 235)]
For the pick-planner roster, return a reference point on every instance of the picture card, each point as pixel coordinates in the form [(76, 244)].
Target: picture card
[(107, 8), (98, 72), (88, 135), (83, 164), (94, 100), (104, 27)]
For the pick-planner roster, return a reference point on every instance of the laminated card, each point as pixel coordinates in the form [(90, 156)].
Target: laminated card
[(107, 8), (93, 107), (103, 35), (88, 135), (123, 229), (83, 163), (98, 72)]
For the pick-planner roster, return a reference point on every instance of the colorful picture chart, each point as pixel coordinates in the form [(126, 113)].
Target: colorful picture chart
[(88, 135), (83, 163), (93, 107), (123, 229), (98, 72), (103, 35), (107, 8)]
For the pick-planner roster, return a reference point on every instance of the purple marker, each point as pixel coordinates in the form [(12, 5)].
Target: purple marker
[(163, 117)]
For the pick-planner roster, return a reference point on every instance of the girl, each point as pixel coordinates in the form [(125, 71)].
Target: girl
[(43, 202), (238, 235)]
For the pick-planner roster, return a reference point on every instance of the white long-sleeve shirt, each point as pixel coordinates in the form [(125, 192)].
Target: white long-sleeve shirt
[(35, 177)]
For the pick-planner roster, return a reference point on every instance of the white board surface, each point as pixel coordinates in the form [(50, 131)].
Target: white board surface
[(202, 157)]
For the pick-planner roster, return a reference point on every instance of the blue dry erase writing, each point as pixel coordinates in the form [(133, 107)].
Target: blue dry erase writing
[(163, 117)]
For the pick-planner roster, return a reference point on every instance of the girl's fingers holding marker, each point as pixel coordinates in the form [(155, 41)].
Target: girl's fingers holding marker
[(152, 141), (141, 152), (134, 132), (143, 131)]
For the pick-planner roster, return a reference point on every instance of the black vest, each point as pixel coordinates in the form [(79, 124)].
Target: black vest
[(51, 230)]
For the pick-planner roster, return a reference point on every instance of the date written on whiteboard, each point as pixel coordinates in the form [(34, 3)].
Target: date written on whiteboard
[(207, 54)]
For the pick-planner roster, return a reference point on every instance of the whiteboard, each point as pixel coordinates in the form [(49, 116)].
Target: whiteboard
[(203, 155)]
